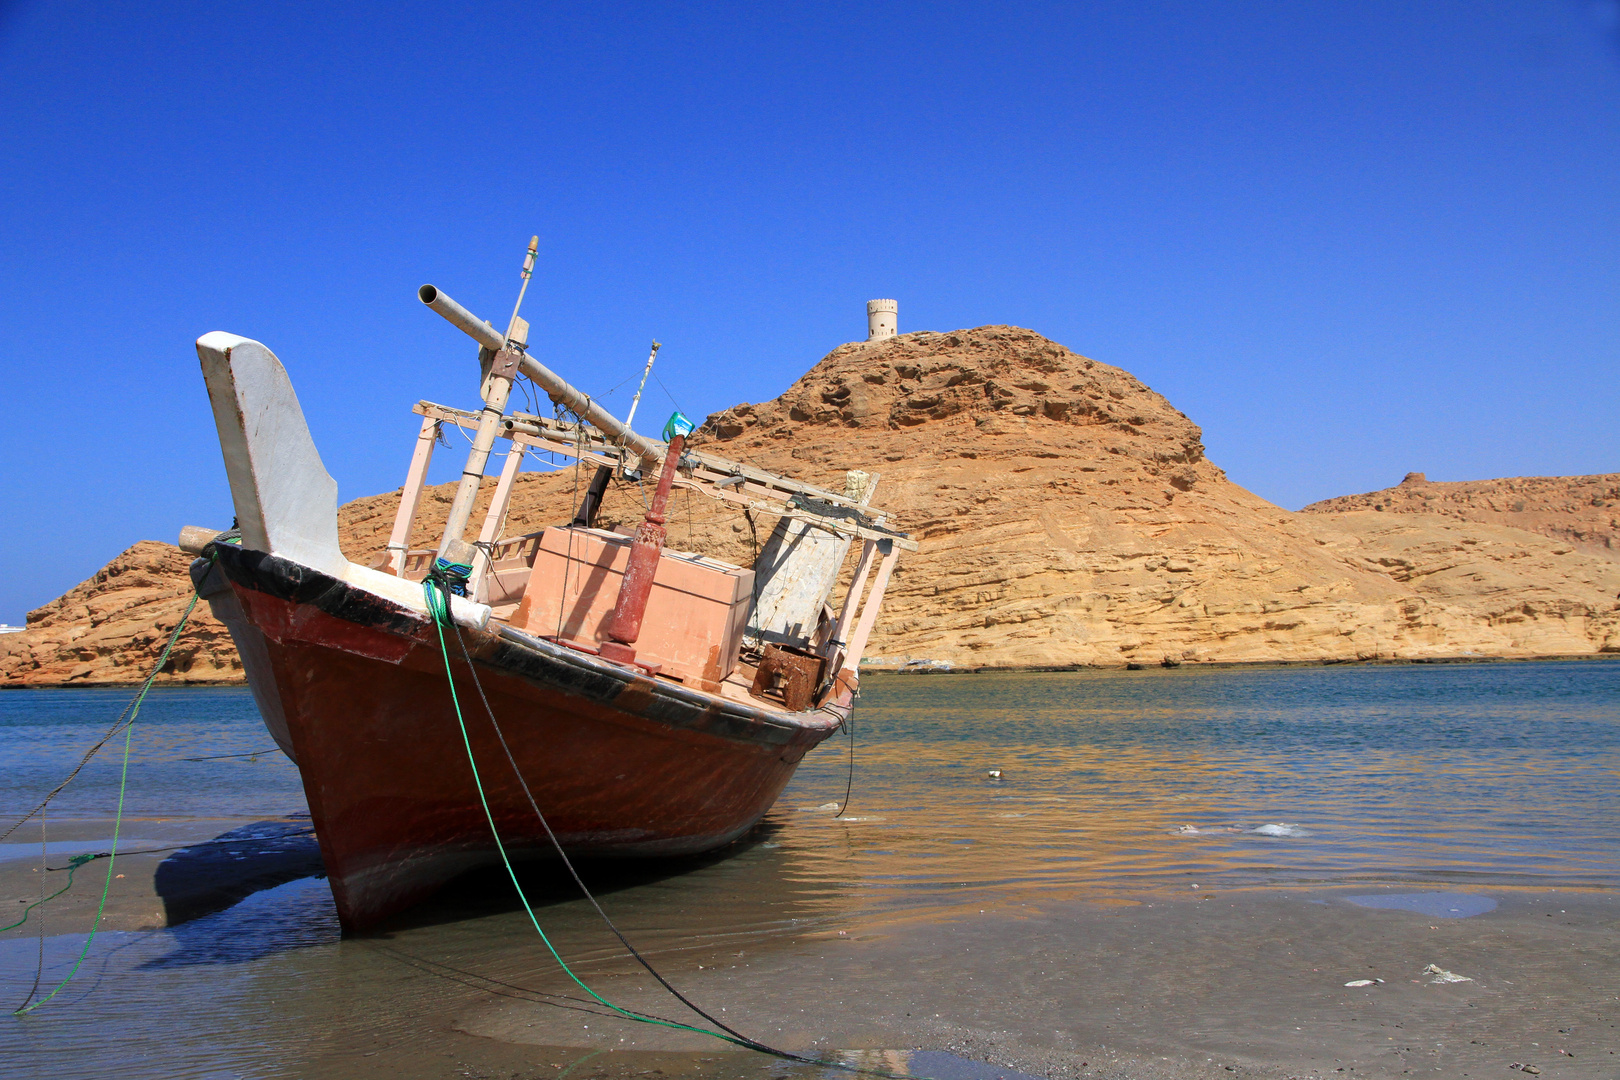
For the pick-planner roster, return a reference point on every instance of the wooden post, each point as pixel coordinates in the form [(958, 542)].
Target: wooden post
[(497, 388), (646, 371), (837, 647), (592, 502), (399, 541), (194, 538), (624, 625), (869, 611), (852, 599), (503, 368), (495, 520)]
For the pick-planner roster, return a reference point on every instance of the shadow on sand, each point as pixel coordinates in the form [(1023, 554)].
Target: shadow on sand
[(214, 875), (218, 874)]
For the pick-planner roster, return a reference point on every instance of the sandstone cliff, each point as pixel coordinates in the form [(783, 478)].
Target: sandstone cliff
[(1067, 515), (112, 628)]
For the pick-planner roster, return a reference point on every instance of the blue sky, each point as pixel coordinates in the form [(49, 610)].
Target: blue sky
[(1349, 239)]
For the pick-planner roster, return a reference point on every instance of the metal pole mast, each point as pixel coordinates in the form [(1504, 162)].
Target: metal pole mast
[(528, 268), (644, 373)]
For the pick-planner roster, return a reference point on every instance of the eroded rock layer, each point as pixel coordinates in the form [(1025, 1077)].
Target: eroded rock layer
[(1068, 516), (112, 628), (1584, 510)]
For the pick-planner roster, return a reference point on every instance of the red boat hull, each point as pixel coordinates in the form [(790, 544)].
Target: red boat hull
[(620, 764)]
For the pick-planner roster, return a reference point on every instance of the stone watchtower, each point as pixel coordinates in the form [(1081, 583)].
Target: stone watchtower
[(882, 319)]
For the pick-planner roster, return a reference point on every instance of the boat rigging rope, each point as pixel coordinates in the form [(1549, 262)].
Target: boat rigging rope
[(436, 596), (438, 604), (667, 394), (134, 711), (512, 761), (573, 500), (849, 784), (452, 575)]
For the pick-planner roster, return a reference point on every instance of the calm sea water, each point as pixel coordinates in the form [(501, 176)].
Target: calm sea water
[(1508, 773), (1112, 784), (44, 733)]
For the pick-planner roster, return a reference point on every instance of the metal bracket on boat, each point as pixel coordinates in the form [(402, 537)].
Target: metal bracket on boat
[(822, 508), (505, 363)]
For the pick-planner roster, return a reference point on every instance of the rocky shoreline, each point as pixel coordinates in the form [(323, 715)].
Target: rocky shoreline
[(1246, 665), (1067, 517)]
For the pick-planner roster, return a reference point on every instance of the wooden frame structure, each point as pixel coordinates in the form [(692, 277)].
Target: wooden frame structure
[(736, 483)]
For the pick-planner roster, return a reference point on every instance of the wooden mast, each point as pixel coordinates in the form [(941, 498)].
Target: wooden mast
[(646, 371), (503, 368)]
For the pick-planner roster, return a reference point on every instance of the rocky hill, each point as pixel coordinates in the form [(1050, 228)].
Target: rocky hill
[(1067, 515), (112, 628), (1582, 510)]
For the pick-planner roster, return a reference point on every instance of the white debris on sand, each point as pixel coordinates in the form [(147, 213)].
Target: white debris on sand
[(1441, 975)]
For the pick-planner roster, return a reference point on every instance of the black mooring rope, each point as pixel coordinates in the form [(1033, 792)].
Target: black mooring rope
[(736, 1036)]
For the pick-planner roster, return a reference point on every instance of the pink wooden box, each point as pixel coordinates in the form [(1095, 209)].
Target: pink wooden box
[(695, 616)]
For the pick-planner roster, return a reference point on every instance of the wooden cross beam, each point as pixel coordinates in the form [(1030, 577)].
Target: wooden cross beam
[(733, 482)]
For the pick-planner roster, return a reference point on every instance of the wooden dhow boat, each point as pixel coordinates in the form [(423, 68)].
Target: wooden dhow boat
[(656, 702)]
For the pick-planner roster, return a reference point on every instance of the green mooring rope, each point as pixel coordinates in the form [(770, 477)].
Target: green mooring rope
[(438, 605), (118, 818), (439, 611), (73, 866)]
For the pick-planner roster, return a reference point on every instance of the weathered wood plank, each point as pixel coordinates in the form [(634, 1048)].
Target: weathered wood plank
[(410, 497), (495, 519), (797, 569), (596, 442), (869, 611)]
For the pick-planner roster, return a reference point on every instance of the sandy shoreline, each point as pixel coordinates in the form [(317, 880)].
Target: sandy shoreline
[(206, 865), (1174, 983), (1249, 982)]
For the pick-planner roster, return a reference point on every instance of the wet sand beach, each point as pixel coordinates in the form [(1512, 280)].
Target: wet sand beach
[(167, 871), (1250, 982), (1175, 875)]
